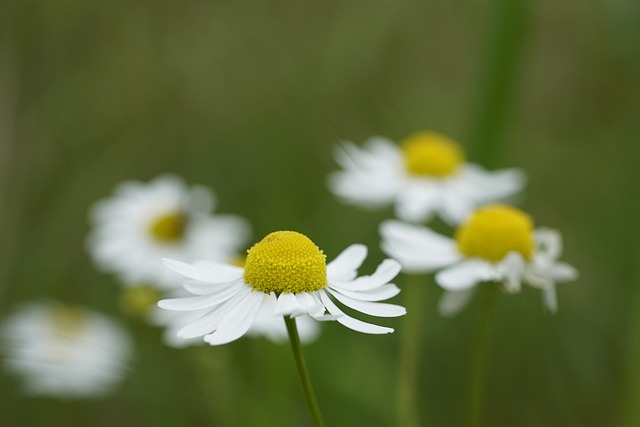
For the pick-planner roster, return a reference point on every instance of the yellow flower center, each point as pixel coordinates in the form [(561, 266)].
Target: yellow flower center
[(68, 321), (286, 261), (169, 228), (138, 300), (493, 231), (433, 154)]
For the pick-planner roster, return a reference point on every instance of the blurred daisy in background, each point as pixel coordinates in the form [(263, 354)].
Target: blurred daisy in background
[(142, 223), (67, 352), (288, 272), (496, 243), (425, 175)]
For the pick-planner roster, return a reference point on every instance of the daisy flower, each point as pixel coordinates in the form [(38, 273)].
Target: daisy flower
[(142, 223), (289, 272), (64, 351), (496, 243), (425, 175)]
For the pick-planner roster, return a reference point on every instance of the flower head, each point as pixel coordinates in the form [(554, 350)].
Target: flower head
[(64, 351), (288, 272), (425, 174), (143, 223), (496, 243)]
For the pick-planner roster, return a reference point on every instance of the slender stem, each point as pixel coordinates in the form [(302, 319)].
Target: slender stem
[(294, 338), (480, 350), (410, 345)]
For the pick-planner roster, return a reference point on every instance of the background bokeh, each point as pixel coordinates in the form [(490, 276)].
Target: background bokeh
[(250, 97)]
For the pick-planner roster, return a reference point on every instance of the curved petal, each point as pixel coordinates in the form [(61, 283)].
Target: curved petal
[(209, 272), (417, 248), (371, 308), (350, 322), (385, 272), (465, 275), (203, 301), (379, 294), (451, 303), (550, 299), (345, 265), (238, 321)]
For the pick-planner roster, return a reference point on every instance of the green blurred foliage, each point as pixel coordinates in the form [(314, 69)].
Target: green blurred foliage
[(250, 98)]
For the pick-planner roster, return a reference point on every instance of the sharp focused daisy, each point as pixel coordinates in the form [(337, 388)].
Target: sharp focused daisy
[(64, 351), (142, 223), (426, 174), (289, 272), (496, 243)]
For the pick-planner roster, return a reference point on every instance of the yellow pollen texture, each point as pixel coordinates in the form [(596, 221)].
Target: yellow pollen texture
[(169, 228), (432, 154), (493, 231), (286, 261)]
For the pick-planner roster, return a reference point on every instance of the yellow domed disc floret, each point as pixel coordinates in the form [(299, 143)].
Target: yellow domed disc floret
[(433, 154), (169, 228), (286, 261), (493, 231)]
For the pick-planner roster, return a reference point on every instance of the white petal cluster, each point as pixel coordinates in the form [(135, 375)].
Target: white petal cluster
[(227, 307), (121, 242), (82, 360), (421, 250), (375, 176)]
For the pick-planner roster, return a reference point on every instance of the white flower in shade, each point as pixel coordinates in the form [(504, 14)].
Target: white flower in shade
[(425, 175), (289, 272), (143, 223), (64, 351), (496, 243)]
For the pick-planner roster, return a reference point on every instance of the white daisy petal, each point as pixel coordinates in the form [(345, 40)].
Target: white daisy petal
[(238, 321), (550, 299), (345, 265), (370, 308), (200, 302), (451, 303), (197, 287), (465, 275), (219, 273), (418, 200), (382, 293), (287, 304), (385, 272), (417, 248), (350, 322), (563, 272)]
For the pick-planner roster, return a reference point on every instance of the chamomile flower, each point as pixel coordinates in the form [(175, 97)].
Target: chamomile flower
[(425, 175), (143, 223), (496, 243), (289, 272), (64, 351)]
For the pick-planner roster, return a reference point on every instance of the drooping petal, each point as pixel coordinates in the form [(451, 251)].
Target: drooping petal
[(379, 294), (550, 297), (209, 272), (350, 322), (287, 304), (371, 308), (417, 248), (200, 302), (238, 321), (465, 275), (451, 303)]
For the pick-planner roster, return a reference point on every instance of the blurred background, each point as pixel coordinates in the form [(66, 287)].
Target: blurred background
[(250, 98)]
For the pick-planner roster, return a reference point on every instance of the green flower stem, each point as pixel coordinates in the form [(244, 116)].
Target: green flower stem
[(477, 385), (294, 338), (410, 345)]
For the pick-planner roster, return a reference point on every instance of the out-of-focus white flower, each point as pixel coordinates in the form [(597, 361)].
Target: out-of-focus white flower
[(425, 175), (496, 243), (143, 223), (289, 272), (67, 352)]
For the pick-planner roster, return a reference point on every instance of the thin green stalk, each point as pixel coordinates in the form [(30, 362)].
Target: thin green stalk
[(294, 338), (410, 345), (477, 385)]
